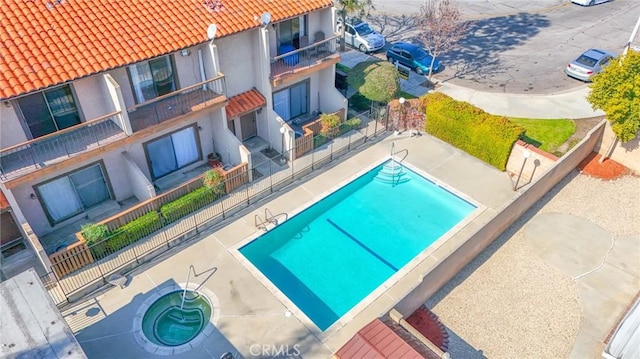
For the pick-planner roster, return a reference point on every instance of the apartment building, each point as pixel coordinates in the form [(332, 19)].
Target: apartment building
[(106, 104)]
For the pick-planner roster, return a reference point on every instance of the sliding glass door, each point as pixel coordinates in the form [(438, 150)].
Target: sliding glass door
[(72, 194), (49, 111), (153, 78), (292, 102), (173, 152)]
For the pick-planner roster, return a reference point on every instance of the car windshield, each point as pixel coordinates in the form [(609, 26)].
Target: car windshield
[(586, 61), (419, 54), (364, 29)]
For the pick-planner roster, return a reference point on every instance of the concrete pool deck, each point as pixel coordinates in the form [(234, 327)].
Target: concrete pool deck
[(255, 319)]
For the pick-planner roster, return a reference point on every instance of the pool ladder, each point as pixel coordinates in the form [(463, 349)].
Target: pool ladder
[(268, 218), (398, 174)]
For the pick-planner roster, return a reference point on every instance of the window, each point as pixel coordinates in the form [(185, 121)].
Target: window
[(172, 152), (49, 111), (292, 102), (153, 78), (71, 194), (290, 31), (350, 30)]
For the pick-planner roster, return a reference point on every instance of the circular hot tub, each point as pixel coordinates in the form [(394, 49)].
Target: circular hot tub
[(167, 323)]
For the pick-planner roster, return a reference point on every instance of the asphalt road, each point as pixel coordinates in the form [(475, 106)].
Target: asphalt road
[(516, 46)]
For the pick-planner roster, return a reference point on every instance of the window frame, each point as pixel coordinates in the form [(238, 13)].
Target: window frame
[(105, 176), (23, 120), (196, 134), (307, 82), (174, 74)]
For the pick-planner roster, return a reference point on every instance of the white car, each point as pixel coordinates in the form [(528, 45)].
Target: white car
[(588, 2), (360, 35)]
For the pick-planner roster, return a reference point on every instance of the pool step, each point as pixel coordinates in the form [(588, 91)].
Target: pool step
[(392, 174)]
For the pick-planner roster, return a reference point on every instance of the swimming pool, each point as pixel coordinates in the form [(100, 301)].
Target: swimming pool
[(332, 255)]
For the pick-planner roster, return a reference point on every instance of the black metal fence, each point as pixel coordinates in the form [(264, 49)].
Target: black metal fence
[(130, 250)]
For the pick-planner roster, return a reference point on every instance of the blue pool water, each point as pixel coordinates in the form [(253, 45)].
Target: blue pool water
[(329, 257)]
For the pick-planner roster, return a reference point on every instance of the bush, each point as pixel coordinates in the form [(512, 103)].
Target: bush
[(214, 180), (376, 80), (487, 137), (127, 234), (188, 203), (94, 233), (359, 103), (328, 124), (319, 140), (349, 125)]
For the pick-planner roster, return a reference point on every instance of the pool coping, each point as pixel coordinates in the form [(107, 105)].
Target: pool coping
[(385, 286), (156, 349)]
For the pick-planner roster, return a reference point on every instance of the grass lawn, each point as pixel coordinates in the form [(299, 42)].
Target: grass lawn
[(548, 135), (406, 95)]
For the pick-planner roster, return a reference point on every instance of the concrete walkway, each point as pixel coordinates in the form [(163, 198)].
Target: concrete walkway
[(570, 104)]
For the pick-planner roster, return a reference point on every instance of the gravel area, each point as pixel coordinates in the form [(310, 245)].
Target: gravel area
[(507, 303)]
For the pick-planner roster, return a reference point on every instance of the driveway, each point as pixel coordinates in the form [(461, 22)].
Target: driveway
[(517, 46)]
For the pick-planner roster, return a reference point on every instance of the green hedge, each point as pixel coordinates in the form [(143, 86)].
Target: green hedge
[(485, 136), (188, 203), (127, 234), (348, 125)]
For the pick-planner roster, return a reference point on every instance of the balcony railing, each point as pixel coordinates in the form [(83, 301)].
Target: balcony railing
[(189, 99), (29, 156), (304, 57)]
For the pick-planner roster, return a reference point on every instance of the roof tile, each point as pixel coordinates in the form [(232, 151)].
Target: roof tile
[(124, 32)]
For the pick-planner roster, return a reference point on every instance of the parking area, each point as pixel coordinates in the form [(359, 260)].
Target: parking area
[(517, 47)]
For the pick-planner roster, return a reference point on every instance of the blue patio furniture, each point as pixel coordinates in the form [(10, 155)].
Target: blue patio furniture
[(292, 59)]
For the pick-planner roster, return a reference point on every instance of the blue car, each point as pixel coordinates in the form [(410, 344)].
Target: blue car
[(413, 57)]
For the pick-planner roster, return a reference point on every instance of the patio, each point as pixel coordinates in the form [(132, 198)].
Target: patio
[(253, 313)]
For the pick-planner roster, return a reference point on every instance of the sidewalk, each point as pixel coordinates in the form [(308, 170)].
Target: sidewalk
[(570, 104)]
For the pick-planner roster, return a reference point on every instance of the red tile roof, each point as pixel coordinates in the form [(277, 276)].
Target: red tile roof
[(245, 102), (377, 341), (48, 42), (3, 201)]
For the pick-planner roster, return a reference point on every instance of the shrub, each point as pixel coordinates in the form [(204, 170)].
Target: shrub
[(487, 137), (214, 180), (376, 80), (127, 234), (319, 140), (188, 203), (328, 124), (94, 233), (359, 103), (349, 125)]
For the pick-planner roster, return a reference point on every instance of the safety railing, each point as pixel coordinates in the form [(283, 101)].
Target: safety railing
[(304, 57), (32, 155), (189, 99)]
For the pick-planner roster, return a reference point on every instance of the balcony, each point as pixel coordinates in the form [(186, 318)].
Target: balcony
[(30, 156), (20, 162), (176, 104), (298, 63)]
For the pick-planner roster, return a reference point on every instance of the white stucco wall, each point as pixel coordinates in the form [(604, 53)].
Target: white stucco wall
[(187, 68), (236, 54), (32, 208), (93, 98), (11, 132), (627, 154)]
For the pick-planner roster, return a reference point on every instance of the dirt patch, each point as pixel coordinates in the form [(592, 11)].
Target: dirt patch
[(583, 126), (607, 170)]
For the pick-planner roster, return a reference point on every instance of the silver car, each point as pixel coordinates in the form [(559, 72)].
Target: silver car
[(588, 64)]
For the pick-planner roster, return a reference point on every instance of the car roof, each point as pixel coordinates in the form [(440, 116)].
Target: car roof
[(597, 54), (405, 46)]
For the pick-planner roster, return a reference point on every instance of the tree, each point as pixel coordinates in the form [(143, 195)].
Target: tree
[(406, 115), (441, 27), (375, 80), (351, 7), (616, 91)]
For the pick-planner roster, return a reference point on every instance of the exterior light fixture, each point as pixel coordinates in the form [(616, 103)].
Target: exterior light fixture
[(185, 52), (525, 154)]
